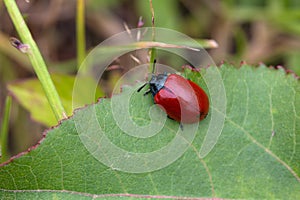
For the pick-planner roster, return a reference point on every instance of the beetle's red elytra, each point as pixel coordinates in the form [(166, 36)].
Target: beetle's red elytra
[(183, 100)]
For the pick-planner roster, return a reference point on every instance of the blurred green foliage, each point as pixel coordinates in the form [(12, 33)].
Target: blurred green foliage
[(30, 95)]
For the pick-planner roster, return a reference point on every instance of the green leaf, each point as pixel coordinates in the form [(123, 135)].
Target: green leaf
[(257, 155), (31, 96)]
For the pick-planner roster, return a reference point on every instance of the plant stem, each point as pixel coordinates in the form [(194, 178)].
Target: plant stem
[(152, 50), (80, 30), (36, 59), (4, 130)]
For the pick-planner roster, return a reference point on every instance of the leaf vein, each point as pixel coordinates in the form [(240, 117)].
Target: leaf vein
[(267, 150)]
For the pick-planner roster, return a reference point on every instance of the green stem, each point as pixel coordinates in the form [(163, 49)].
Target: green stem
[(152, 50), (36, 59), (4, 130), (80, 30)]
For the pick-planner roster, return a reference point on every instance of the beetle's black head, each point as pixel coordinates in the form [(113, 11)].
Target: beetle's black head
[(157, 82)]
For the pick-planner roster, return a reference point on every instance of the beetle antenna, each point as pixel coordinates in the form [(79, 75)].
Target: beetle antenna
[(142, 87)]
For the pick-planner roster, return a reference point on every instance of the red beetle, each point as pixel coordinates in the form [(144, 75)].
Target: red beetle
[(183, 100)]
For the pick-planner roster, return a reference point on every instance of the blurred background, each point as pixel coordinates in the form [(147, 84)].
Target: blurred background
[(256, 31)]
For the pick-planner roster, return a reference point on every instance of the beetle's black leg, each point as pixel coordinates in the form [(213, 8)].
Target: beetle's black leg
[(170, 117), (181, 126), (147, 92), (201, 114)]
